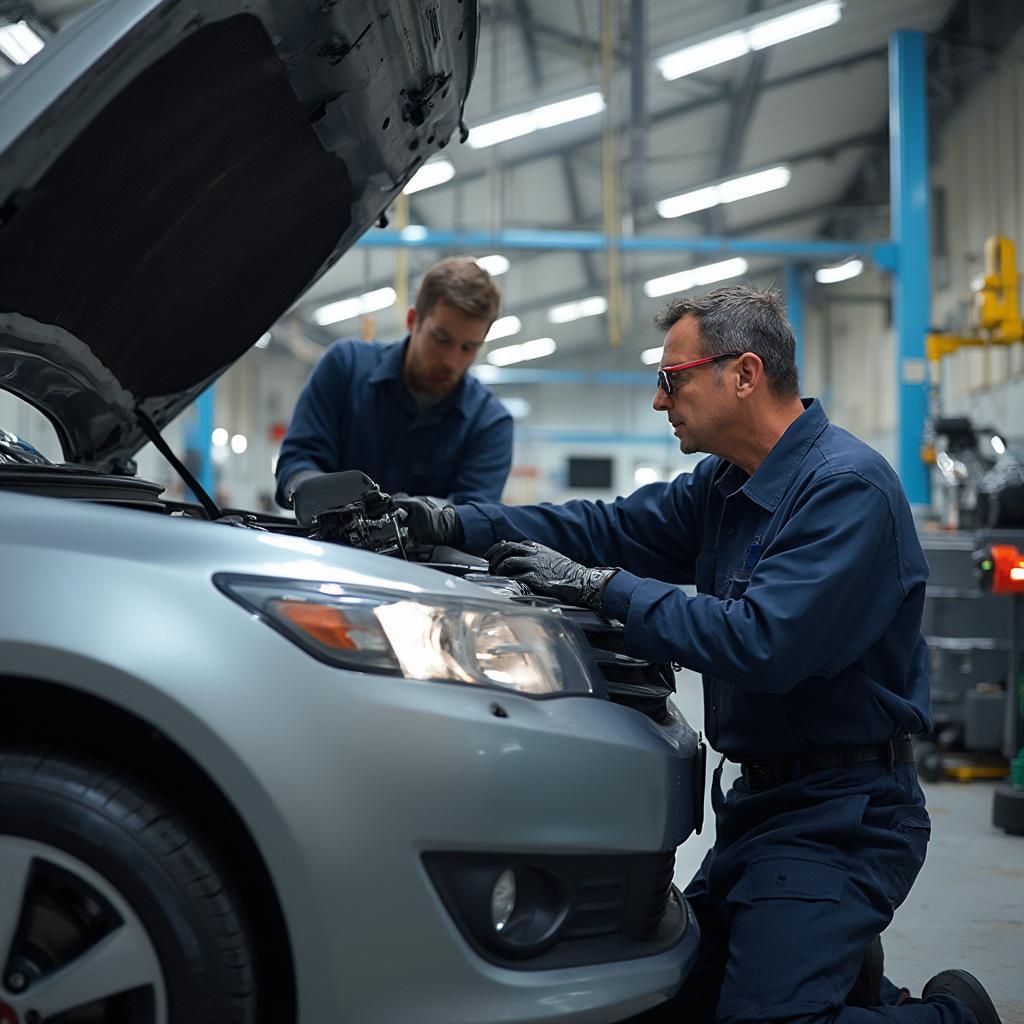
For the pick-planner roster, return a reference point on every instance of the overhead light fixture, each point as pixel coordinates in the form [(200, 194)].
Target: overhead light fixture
[(569, 311), (650, 356), (755, 33), (495, 265), (491, 133), (643, 475), (695, 277), (535, 349), (839, 272), (783, 27), (263, 340), (435, 172), (504, 327), (239, 443), (19, 42), (346, 309), (728, 191), (219, 437), (413, 233)]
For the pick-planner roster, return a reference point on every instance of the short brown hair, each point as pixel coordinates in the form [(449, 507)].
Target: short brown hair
[(742, 319), (461, 283)]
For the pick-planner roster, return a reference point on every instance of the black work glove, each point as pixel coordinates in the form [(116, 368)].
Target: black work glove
[(547, 572), (430, 525)]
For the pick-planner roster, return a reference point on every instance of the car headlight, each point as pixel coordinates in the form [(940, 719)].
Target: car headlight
[(422, 637)]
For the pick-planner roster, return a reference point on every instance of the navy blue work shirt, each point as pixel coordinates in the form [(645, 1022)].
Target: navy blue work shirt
[(810, 579), (356, 412)]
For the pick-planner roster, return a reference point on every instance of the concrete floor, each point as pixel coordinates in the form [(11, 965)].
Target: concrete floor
[(967, 907)]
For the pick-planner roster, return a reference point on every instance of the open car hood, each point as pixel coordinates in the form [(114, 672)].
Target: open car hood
[(174, 173)]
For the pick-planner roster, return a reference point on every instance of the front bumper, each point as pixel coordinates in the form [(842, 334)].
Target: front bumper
[(404, 770)]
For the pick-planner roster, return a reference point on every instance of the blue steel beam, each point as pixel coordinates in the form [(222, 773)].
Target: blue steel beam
[(882, 253), (609, 378), (909, 188), (198, 437), (795, 304)]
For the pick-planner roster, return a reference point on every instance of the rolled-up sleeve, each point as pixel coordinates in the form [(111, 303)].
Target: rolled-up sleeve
[(824, 591)]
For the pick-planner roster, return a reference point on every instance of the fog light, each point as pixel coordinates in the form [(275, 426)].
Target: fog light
[(503, 899)]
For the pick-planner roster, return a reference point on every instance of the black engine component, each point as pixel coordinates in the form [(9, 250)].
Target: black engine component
[(349, 508)]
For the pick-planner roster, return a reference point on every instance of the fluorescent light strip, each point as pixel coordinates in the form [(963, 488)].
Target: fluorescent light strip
[(346, 309), (504, 327), (695, 277), (728, 191), (839, 272), (436, 172), (595, 305), (491, 133), (495, 265), (798, 23), (19, 42), (747, 37), (650, 356), (535, 349)]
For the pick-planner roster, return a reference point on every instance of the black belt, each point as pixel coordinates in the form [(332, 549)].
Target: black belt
[(765, 774)]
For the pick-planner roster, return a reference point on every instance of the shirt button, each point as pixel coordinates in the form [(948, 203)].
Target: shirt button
[(731, 531)]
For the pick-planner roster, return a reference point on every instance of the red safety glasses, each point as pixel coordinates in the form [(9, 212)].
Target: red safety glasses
[(664, 374)]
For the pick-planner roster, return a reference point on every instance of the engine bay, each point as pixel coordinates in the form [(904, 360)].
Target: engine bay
[(349, 509)]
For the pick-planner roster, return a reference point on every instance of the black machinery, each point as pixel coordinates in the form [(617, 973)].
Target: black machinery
[(1000, 570)]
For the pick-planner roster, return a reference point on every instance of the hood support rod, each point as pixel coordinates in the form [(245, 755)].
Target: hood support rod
[(149, 429)]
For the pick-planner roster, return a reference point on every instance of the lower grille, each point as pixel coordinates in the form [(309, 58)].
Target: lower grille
[(633, 903), (606, 907)]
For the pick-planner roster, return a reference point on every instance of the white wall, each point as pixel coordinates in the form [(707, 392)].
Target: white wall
[(977, 178), (980, 171)]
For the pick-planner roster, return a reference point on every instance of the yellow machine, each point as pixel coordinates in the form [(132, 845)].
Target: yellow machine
[(996, 320), (996, 304)]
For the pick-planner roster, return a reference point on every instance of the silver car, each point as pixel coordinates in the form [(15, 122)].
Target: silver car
[(253, 768)]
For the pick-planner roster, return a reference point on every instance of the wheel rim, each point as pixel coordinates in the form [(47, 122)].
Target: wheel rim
[(71, 944)]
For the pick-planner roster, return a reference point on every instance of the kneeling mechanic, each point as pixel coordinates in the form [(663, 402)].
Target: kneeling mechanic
[(806, 628)]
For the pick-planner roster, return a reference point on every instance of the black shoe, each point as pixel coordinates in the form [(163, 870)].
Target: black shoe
[(965, 988)]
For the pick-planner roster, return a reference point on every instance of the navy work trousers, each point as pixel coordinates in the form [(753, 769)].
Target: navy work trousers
[(801, 879)]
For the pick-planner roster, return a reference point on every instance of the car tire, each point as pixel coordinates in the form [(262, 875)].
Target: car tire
[(111, 897)]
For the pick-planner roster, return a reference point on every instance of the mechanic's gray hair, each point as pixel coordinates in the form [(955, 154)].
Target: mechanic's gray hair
[(742, 319)]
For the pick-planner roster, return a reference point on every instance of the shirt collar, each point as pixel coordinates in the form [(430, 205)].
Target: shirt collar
[(770, 480), (392, 368), (391, 363)]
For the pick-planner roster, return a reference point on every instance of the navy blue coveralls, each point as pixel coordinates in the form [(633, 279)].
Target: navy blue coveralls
[(356, 412), (806, 628)]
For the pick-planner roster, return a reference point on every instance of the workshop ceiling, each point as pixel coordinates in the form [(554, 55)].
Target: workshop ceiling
[(816, 104)]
